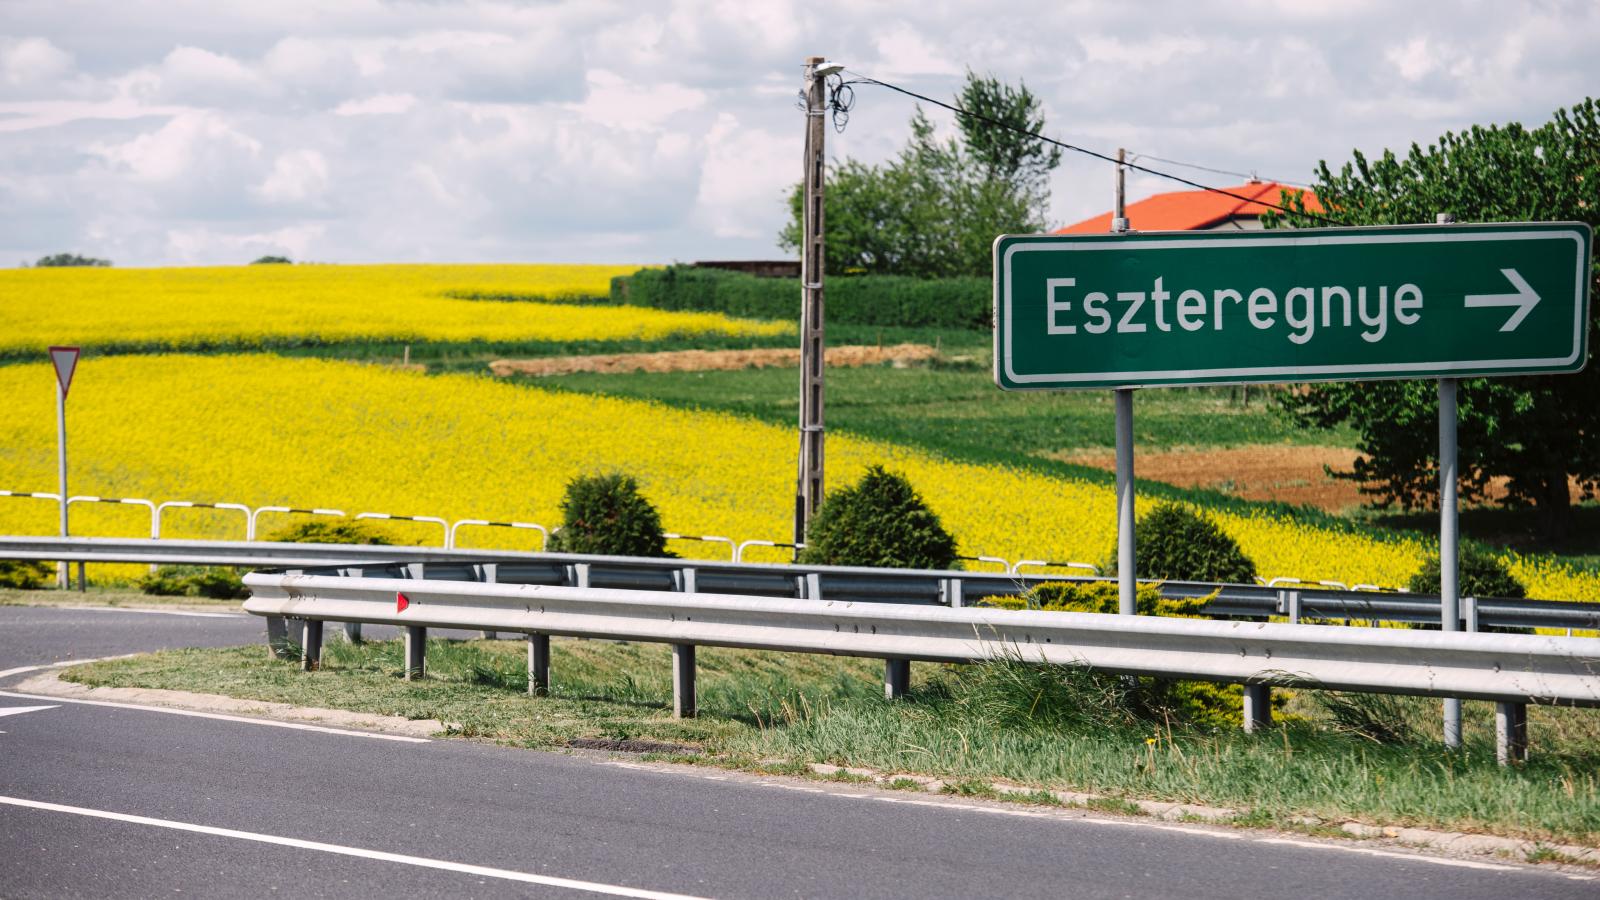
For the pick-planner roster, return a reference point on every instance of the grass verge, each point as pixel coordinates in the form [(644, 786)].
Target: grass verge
[(1042, 727)]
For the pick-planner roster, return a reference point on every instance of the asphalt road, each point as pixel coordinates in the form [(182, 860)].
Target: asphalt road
[(101, 801)]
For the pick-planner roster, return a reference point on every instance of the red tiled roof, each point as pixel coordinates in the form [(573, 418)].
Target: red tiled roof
[(1194, 210)]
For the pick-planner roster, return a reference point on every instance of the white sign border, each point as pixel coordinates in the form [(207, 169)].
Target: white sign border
[(1368, 371)]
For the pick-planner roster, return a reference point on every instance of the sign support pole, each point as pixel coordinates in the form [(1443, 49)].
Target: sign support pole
[(1449, 538), (1127, 584), (1449, 528), (61, 455)]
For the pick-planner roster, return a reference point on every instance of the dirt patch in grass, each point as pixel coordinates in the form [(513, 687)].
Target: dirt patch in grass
[(711, 360), (1287, 474)]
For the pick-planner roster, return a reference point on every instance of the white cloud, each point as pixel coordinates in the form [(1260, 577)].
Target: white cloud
[(30, 61), (297, 176), (156, 131), (376, 105), (182, 148)]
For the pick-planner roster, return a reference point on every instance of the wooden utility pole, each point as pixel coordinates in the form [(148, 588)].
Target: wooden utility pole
[(808, 489)]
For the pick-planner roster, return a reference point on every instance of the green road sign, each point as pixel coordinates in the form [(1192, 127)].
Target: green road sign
[(1326, 304)]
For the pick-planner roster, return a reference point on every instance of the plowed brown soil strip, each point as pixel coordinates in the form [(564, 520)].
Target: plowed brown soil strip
[(709, 360), (1288, 474)]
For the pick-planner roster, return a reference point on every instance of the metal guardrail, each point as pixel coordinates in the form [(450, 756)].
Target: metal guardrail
[(924, 587), (1511, 670)]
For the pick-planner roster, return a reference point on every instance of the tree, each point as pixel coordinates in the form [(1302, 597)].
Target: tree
[(1535, 432), (935, 210), (271, 260), (605, 514), (59, 260), (879, 521)]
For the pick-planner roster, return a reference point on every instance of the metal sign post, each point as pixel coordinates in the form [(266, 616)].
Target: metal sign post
[(1127, 559), (65, 361)]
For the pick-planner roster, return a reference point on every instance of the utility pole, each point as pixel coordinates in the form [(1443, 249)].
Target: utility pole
[(808, 487)]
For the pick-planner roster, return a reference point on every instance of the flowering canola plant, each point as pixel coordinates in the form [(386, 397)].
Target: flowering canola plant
[(263, 430), (275, 305)]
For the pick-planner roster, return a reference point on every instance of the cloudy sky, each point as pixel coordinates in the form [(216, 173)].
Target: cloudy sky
[(205, 131)]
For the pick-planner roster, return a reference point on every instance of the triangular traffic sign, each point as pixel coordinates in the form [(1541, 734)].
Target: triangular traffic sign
[(66, 362)]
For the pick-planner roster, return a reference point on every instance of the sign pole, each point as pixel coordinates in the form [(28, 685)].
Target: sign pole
[(1449, 532), (1449, 537), (65, 361), (1127, 585), (61, 457)]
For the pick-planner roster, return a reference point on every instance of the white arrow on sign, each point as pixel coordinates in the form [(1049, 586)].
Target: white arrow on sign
[(1525, 299)]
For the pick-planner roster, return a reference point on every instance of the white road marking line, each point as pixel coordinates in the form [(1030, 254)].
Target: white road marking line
[(19, 710), (1369, 851), (61, 665), (296, 726), (156, 612), (424, 862)]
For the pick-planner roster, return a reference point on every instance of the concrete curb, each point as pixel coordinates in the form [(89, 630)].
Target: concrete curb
[(50, 684)]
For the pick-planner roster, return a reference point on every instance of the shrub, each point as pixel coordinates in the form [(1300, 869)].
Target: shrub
[(881, 300), (1200, 703), (605, 514), (1096, 597), (330, 531), (1175, 542), (217, 583), (879, 521), (24, 574), (271, 261), (1482, 575)]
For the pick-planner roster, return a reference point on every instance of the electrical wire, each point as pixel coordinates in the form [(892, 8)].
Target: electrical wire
[(862, 78), (1251, 176)]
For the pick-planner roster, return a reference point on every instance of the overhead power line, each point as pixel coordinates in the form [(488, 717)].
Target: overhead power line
[(866, 79), (1251, 176)]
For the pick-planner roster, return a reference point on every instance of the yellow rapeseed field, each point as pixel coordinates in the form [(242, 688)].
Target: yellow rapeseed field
[(267, 305), (266, 430)]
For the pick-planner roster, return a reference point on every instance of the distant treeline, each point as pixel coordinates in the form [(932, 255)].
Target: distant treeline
[(884, 300)]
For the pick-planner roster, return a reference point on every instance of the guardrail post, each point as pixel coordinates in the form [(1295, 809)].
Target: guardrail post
[(1257, 707), (896, 678), (83, 582), (683, 705), (953, 597), (416, 652), (539, 664), (491, 574), (1510, 732), (1296, 607), (311, 645), (278, 637)]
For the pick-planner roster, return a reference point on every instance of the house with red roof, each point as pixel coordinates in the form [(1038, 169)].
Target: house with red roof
[(1199, 210)]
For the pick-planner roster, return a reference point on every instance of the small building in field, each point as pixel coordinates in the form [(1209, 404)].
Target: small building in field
[(1199, 210)]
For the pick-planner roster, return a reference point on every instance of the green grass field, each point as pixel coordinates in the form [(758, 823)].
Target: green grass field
[(1035, 726)]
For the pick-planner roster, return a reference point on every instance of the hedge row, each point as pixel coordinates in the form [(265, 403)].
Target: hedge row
[(852, 299)]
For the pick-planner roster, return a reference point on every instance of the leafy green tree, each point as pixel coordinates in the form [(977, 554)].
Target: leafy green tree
[(59, 260), (1177, 542), (1536, 432), (879, 521), (935, 210), (271, 260), (607, 515), (1482, 574)]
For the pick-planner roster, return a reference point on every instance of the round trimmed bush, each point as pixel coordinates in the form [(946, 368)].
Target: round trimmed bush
[(606, 515), (879, 521), (1175, 542), (330, 531), (1482, 575)]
